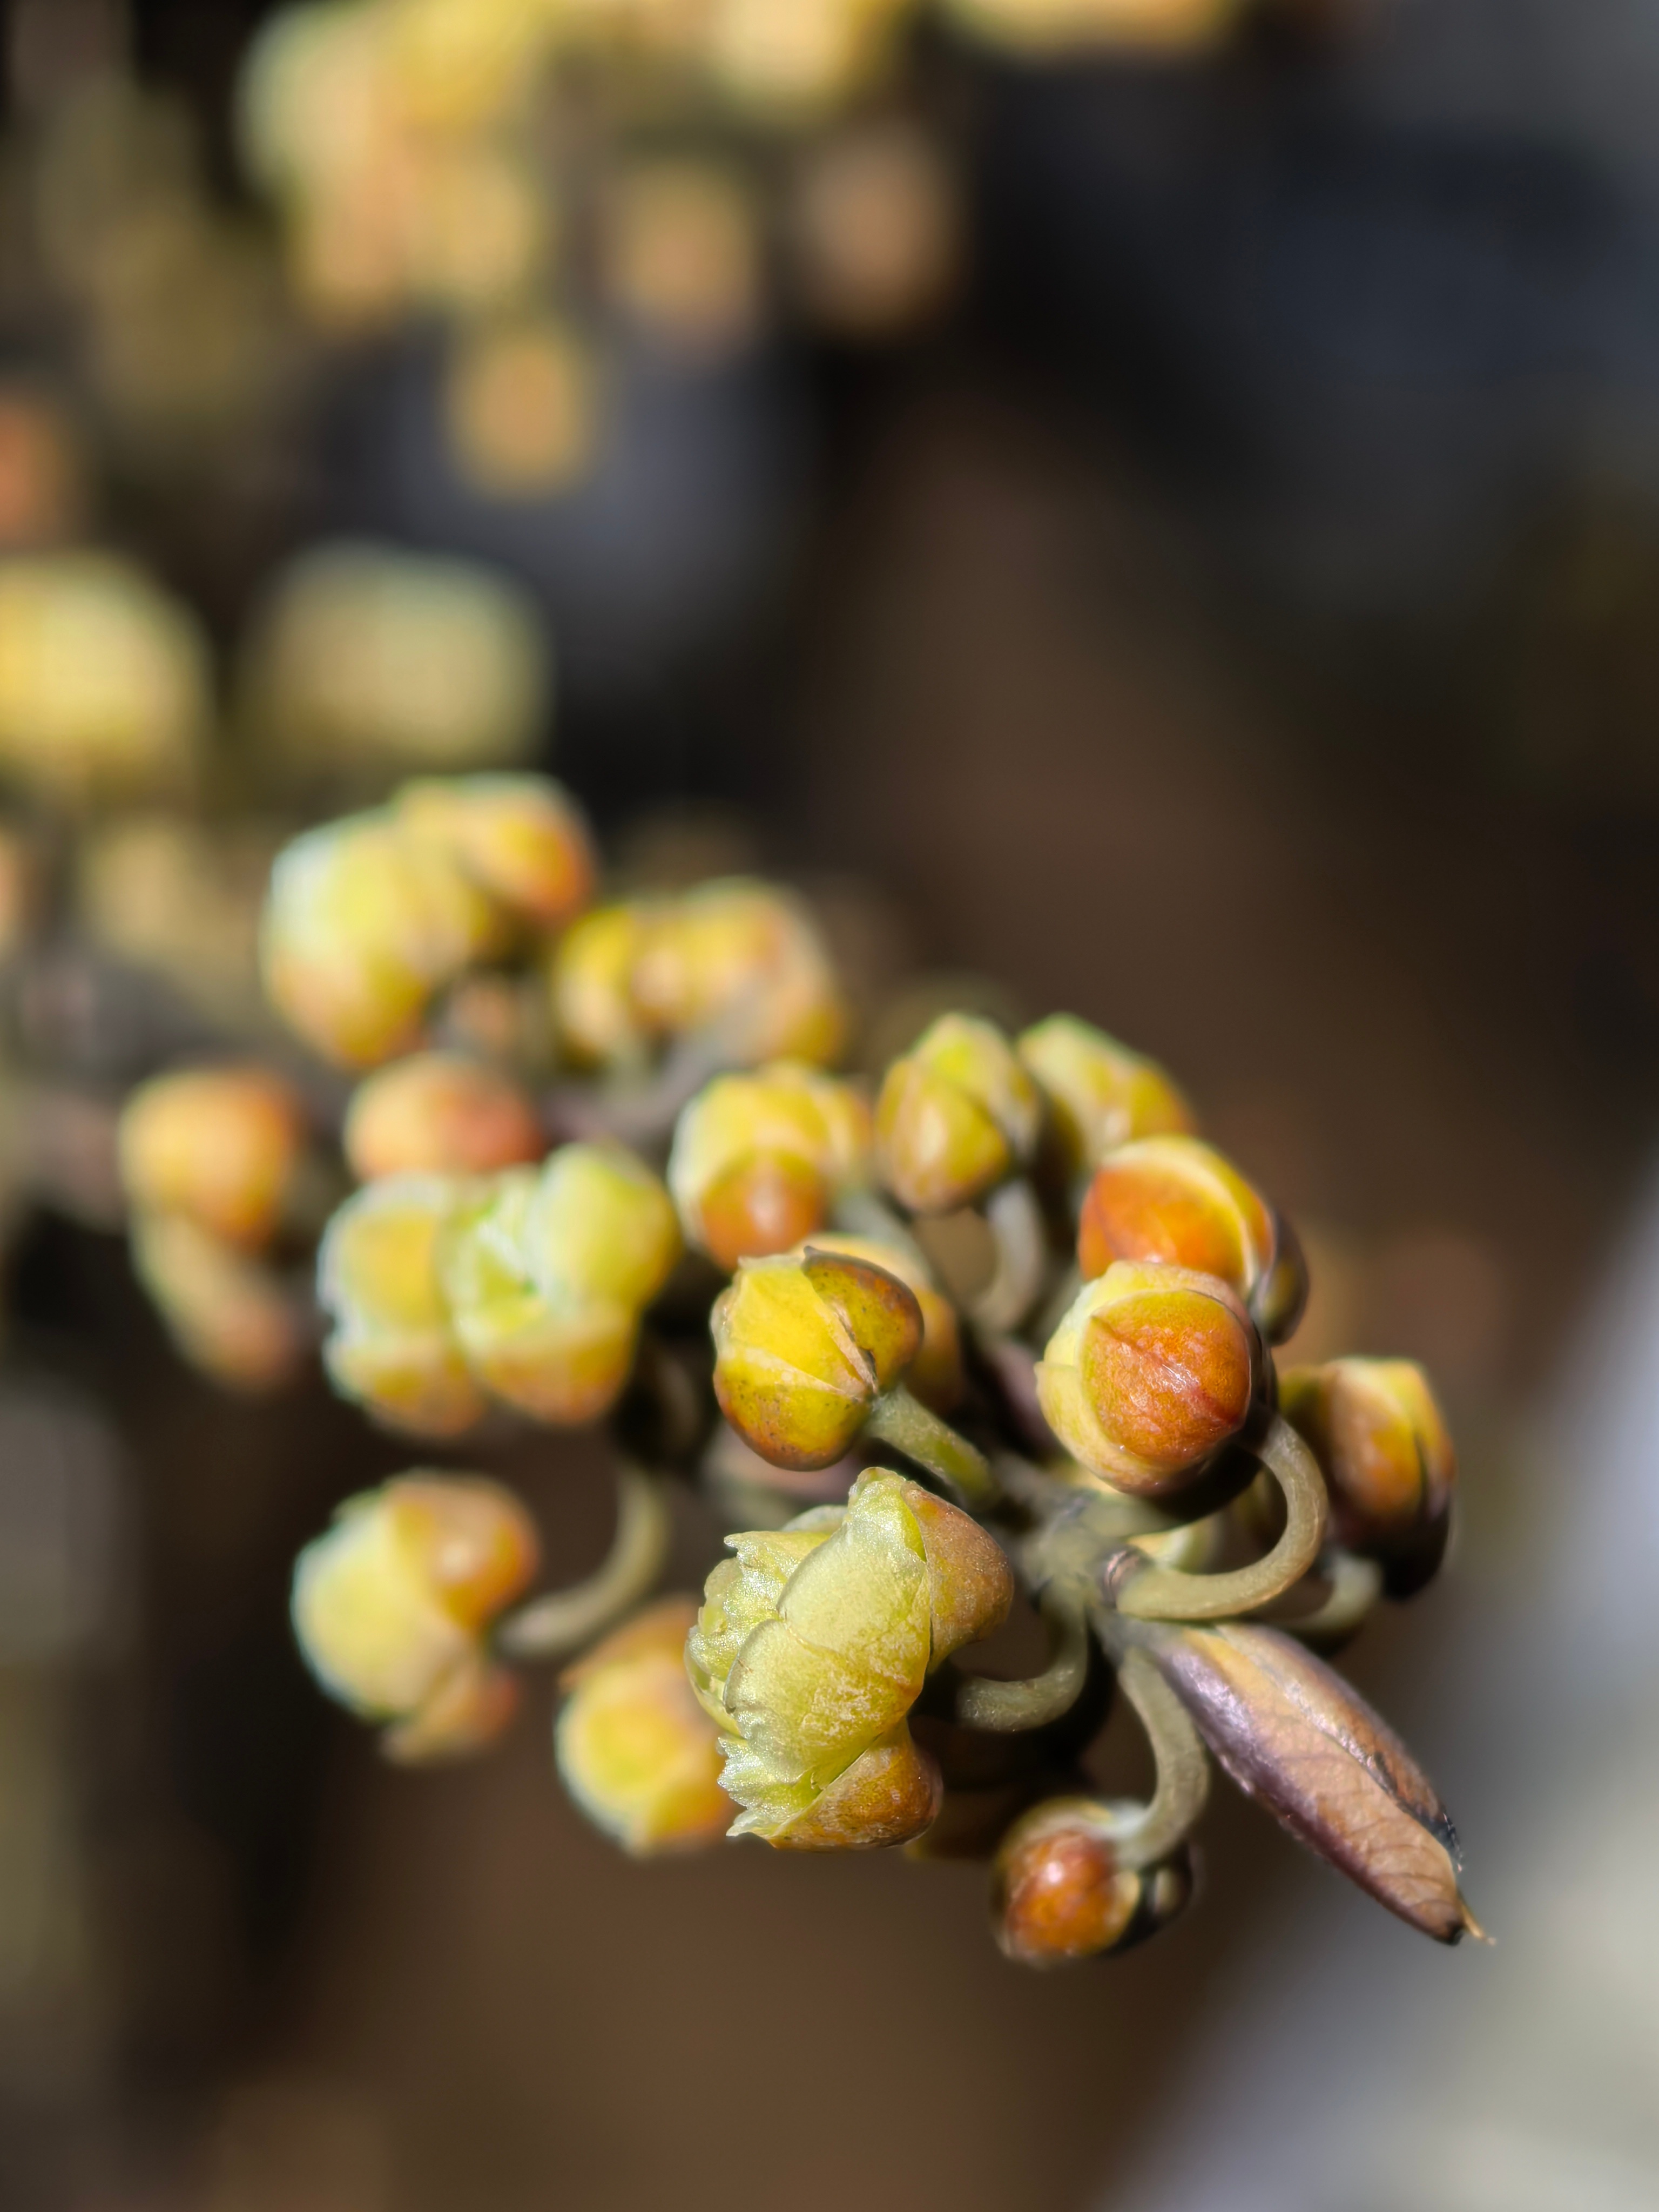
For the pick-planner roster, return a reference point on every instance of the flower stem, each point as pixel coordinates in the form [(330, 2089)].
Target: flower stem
[(562, 1621), (1006, 1708), (1015, 1221), (904, 1422), (1154, 1592), (1352, 1587), (1149, 1833)]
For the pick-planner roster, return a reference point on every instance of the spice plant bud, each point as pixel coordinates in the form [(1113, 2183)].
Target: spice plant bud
[(1100, 1094), (1292, 1733), (547, 1275), (393, 1348), (1382, 1444), (635, 1747), (393, 1602), (361, 924), (956, 1115), (804, 1348), (759, 1160), (592, 986), (1059, 1894), (227, 1312), (521, 839), (813, 1644), (935, 1375), (440, 1112), (743, 964), (1175, 1200), (219, 1145), (1150, 1373)]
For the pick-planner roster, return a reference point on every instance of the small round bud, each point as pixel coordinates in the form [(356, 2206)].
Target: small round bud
[(521, 839), (592, 986), (802, 1349), (1100, 1094), (547, 1272), (1177, 1200), (1150, 1373), (219, 1145), (361, 924), (440, 1112), (390, 1604), (812, 1646), (227, 1312), (635, 1747), (1059, 1893), (957, 1115), (1382, 1445), (935, 1375), (743, 963), (758, 1159), (393, 1348)]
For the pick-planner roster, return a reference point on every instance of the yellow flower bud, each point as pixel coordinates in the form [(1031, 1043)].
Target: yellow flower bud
[(1059, 1893), (1148, 1374), (393, 1348), (935, 1375), (392, 1603), (813, 1644), (219, 1145), (802, 1349), (521, 839), (1382, 1445), (593, 984), (227, 1312), (1176, 1200), (1100, 1094), (440, 1112), (741, 961), (758, 1159), (548, 1273), (635, 1747), (361, 924), (957, 1114)]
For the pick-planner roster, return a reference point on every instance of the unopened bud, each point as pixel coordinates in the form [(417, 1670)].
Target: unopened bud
[(393, 1348), (1150, 1373), (635, 1747), (758, 1159), (743, 964), (1177, 1200), (521, 839), (219, 1145), (227, 1312), (802, 1349), (593, 984), (1383, 1448), (1100, 1094), (957, 1115), (1058, 1893), (440, 1112), (935, 1375), (392, 1603), (813, 1644)]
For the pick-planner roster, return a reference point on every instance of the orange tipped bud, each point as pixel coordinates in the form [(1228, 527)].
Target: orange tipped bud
[(227, 1312), (758, 1159), (1175, 1199), (1382, 1445), (935, 1375), (1059, 1893), (1150, 1372), (521, 839), (1100, 1094), (440, 1112), (742, 962), (220, 1147), (956, 1115), (393, 1348)]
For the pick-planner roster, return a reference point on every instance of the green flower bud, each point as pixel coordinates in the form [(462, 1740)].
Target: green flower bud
[(1100, 1094), (393, 1348), (758, 1159), (813, 1644), (956, 1115)]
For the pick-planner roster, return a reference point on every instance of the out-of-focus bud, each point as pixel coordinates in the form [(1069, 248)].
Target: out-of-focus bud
[(1148, 1374), (1059, 1894), (219, 1145), (1051, 26), (523, 406), (957, 1114), (548, 1273), (1383, 1448), (759, 1160), (41, 469), (393, 1348), (229, 1315), (790, 64), (521, 839), (875, 229), (635, 1747), (392, 1603), (361, 924), (1175, 1200), (683, 253), (935, 1375), (440, 1112), (593, 984), (743, 964), (1292, 1734), (813, 1644), (802, 1349), (1100, 1094), (104, 684)]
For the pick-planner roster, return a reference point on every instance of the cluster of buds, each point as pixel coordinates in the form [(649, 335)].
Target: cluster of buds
[(760, 1296)]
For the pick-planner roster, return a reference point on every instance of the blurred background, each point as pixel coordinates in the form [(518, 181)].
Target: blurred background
[(1156, 505)]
